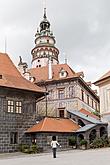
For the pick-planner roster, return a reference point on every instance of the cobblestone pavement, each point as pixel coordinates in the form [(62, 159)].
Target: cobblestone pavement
[(73, 157)]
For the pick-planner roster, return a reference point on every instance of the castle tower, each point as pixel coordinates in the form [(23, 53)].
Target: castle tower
[(44, 45)]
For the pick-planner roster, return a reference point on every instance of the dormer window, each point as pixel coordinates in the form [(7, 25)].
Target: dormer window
[(63, 73)]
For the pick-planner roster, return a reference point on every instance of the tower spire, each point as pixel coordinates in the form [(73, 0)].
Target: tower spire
[(44, 45), (45, 13), (44, 6)]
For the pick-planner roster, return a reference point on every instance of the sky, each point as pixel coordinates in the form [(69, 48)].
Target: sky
[(81, 29)]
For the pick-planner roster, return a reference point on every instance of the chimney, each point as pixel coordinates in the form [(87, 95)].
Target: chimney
[(49, 68)]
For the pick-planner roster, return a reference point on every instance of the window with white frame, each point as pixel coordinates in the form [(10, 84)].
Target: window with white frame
[(50, 96), (92, 103), (14, 106), (88, 99), (71, 91), (10, 105), (82, 95), (18, 107), (61, 94)]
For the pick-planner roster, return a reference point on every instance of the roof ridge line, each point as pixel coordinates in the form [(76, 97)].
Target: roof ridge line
[(43, 123)]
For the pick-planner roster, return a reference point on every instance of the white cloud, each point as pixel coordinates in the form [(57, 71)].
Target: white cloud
[(81, 28)]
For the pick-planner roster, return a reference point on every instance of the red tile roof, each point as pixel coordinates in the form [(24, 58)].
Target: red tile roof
[(85, 112), (12, 78), (54, 125), (104, 77), (41, 73)]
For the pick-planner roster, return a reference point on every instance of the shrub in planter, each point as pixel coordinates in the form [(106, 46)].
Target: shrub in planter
[(83, 144), (24, 148), (33, 148), (72, 141)]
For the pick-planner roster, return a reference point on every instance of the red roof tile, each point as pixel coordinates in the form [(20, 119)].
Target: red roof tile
[(85, 112), (54, 125), (12, 78), (42, 73), (105, 76)]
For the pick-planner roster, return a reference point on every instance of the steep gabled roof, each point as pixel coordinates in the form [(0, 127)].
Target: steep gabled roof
[(10, 76), (54, 125), (105, 77), (41, 76), (41, 73)]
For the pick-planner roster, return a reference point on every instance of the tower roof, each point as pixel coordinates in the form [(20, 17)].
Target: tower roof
[(45, 24), (44, 44)]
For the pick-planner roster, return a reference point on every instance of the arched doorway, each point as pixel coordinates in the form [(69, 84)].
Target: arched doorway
[(80, 137), (92, 135), (103, 131)]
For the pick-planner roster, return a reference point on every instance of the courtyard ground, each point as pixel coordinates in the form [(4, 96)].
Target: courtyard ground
[(73, 157)]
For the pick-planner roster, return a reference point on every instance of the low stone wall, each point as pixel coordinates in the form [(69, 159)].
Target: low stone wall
[(43, 140)]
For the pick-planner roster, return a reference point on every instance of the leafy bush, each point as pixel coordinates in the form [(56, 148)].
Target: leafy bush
[(33, 148), (72, 141), (100, 142), (96, 113), (83, 142), (25, 148), (97, 143)]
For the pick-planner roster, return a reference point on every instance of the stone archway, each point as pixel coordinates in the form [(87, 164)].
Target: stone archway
[(103, 131), (80, 137), (92, 135)]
